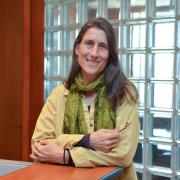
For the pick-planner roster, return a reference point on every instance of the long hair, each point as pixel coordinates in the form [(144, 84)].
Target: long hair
[(116, 84)]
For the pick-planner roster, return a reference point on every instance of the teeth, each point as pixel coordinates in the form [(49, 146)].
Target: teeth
[(92, 61)]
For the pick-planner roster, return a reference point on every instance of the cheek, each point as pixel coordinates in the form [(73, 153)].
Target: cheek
[(106, 58), (80, 61)]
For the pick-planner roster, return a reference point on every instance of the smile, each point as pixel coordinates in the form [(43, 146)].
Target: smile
[(92, 62)]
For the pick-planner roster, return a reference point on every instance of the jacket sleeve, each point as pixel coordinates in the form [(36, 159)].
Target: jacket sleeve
[(123, 154), (50, 121)]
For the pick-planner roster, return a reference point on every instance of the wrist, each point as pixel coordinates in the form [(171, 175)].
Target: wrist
[(66, 157)]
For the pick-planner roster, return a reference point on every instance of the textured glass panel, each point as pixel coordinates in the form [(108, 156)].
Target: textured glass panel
[(161, 95), (140, 88), (52, 66), (177, 119), (123, 59), (164, 60), (161, 155), (178, 66), (138, 9), (117, 31), (164, 35), (155, 177), (141, 118), (178, 158), (49, 86), (139, 175), (72, 11), (159, 66), (52, 16), (68, 60), (71, 36), (51, 1), (92, 9), (113, 9), (137, 65), (65, 64), (52, 41), (165, 8), (160, 123), (137, 36), (57, 66), (178, 10), (178, 33), (178, 96), (178, 177), (138, 155)]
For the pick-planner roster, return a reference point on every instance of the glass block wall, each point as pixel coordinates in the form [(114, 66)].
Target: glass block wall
[(148, 36)]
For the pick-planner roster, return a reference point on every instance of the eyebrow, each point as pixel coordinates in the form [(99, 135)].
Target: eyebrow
[(86, 40)]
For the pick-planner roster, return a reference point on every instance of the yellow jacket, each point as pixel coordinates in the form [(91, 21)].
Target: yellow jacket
[(49, 126)]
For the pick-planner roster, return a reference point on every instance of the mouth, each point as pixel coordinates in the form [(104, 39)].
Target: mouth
[(92, 62)]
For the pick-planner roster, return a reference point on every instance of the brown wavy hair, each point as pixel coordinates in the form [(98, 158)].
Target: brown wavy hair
[(117, 85)]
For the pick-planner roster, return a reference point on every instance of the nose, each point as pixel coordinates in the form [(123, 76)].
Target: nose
[(94, 51)]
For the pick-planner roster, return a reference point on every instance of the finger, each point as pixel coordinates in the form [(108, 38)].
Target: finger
[(113, 142), (109, 143), (111, 136), (113, 146), (44, 142), (35, 158), (107, 130), (35, 151), (38, 149)]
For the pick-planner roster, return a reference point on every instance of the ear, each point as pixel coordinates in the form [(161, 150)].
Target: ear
[(77, 50)]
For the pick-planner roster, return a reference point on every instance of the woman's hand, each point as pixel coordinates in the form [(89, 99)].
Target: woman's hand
[(47, 151), (104, 140)]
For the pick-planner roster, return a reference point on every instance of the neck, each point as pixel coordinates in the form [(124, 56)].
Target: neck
[(90, 97), (90, 93), (88, 78)]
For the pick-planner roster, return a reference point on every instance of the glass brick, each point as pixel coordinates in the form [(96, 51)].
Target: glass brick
[(52, 42), (165, 60), (113, 9), (161, 95), (136, 66), (161, 155), (165, 8), (177, 158), (159, 125), (156, 177), (164, 35), (140, 176), (137, 36), (92, 9), (52, 15), (57, 66), (178, 66), (140, 87), (177, 126), (137, 9), (141, 119), (49, 86), (138, 155)]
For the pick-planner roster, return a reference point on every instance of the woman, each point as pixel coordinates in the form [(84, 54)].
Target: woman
[(91, 120)]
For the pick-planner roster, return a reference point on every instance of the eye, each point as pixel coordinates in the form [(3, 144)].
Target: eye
[(89, 43), (103, 46)]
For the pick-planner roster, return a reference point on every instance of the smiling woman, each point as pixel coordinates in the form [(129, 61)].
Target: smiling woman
[(92, 54), (91, 120)]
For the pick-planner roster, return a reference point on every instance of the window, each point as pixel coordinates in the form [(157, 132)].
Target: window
[(148, 36)]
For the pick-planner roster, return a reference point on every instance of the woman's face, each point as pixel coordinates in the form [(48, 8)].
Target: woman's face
[(92, 53)]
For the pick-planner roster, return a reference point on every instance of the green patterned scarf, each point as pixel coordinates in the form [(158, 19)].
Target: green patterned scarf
[(104, 115)]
